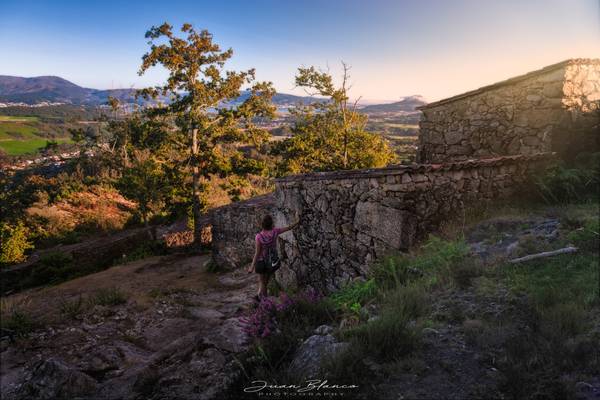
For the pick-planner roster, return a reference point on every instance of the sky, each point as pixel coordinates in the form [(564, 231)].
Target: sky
[(434, 48)]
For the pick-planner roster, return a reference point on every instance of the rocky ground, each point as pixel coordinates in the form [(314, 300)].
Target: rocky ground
[(175, 333), (174, 336), (460, 357)]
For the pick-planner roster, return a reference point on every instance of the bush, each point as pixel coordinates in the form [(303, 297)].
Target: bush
[(13, 243), (145, 250), (71, 308), (392, 272), (353, 296), (109, 297), (386, 337), (53, 268), (17, 323), (587, 237), (565, 183), (278, 326)]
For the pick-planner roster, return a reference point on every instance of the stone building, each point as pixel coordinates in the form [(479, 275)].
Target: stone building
[(556, 108)]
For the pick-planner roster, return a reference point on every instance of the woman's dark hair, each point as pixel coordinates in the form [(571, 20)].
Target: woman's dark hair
[(267, 223)]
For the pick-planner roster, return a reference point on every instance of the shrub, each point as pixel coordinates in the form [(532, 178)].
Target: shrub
[(273, 315), (587, 237), (13, 243), (144, 250), (71, 308), (17, 323), (353, 296), (53, 268), (278, 326), (562, 321), (386, 337), (410, 301), (567, 183), (109, 297), (464, 272), (392, 272)]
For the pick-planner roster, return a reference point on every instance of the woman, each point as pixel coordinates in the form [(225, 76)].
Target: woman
[(266, 240)]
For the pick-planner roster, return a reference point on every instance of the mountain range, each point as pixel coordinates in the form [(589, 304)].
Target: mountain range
[(54, 89), (408, 104)]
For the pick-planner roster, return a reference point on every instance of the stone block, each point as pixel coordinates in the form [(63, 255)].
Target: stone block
[(381, 222)]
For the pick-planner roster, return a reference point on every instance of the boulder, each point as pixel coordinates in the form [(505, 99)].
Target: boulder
[(313, 351), (52, 379)]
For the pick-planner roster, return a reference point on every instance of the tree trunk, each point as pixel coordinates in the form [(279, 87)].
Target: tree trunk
[(196, 203)]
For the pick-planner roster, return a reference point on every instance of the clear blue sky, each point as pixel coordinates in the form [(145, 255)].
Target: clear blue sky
[(436, 48)]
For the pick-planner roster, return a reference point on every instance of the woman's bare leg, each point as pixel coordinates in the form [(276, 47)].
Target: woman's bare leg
[(263, 280)]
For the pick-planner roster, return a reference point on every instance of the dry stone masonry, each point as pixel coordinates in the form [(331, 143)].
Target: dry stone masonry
[(233, 230), (556, 108), (474, 148), (350, 218)]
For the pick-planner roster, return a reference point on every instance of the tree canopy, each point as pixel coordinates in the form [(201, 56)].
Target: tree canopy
[(330, 134)]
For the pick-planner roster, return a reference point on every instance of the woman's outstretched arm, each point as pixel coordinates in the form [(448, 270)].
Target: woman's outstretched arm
[(289, 228)]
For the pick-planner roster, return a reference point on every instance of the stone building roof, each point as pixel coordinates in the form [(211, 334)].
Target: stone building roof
[(416, 168), (511, 81)]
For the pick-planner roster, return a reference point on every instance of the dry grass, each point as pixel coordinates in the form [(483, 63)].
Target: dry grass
[(96, 209), (136, 282)]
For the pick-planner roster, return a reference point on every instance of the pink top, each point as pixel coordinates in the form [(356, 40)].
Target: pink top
[(267, 239)]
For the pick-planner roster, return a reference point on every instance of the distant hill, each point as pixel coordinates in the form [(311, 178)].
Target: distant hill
[(14, 89), (408, 104)]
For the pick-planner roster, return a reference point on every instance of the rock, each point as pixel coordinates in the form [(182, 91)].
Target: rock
[(323, 330), (583, 387), (205, 313), (313, 351), (101, 360), (52, 379), (230, 336)]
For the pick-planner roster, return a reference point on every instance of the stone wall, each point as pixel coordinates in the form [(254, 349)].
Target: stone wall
[(350, 218), (556, 109), (234, 227)]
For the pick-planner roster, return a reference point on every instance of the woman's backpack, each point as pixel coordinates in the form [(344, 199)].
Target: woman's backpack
[(271, 261)]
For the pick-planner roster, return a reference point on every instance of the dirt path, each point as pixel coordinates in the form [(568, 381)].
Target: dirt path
[(174, 336)]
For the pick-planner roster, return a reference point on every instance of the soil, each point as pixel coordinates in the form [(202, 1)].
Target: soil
[(174, 337)]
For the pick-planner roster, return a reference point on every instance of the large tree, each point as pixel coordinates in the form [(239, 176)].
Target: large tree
[(330, 134), (200, 91)]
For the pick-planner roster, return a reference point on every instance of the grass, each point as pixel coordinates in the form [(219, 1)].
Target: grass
[(15, 321), (72, 308), (10, 130), (20, 135), (109, 297), (11, 118), (354, 296), (20, 147)]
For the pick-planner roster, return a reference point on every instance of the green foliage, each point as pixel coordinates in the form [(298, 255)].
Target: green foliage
[(329, 134), (146, 183), (109, 297), (18, 323), (212, 267), (392, 272), (440, 255), (586, 237), (574, 182), (389, 335), (71, 308), (199, 89), (354, 295), (557, 280), (13, 243), (53, 268), (561, 291)]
